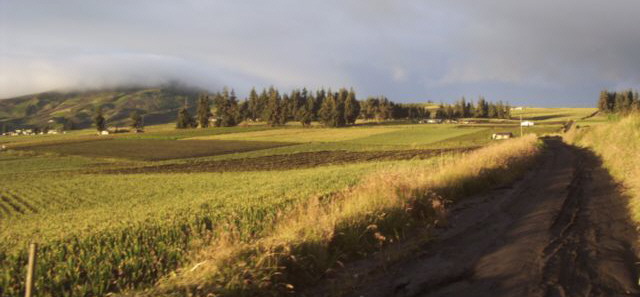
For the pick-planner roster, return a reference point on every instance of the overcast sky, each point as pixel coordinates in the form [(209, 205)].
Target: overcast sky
[(543, 52)]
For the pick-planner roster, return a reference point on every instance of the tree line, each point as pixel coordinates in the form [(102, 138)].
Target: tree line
[(622, 102), (333, 109)]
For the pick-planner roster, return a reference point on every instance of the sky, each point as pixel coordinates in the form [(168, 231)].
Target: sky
[(534, 53)]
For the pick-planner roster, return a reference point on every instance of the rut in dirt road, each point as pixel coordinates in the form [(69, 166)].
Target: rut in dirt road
[(563, 230)]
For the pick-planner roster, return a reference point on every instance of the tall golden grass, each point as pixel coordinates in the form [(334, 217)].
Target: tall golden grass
[(318, 237), (618, 144)]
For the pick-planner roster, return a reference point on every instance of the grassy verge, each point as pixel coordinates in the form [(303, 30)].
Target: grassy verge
[(317, 237), (618, 144)]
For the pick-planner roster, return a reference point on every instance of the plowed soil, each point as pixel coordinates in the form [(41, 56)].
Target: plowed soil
[(288, 161)]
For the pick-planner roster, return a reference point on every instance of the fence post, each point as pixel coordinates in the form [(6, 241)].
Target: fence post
[(33, 248)]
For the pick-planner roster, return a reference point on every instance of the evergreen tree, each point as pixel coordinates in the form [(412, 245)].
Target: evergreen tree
[(603, 101), (493, 111), (204, 111), (482, 108), (619, 103), (320, 96), (273, 111), (327, 110), (305, 112), (254, 105), (500, 110), (99, 121), (385, 110), (450, 113), (351, 108), (440, 112), (226, 108), (243, 111), (339, 117), (370, 108), (184, 118)]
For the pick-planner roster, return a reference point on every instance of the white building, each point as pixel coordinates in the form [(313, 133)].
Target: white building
[(527, 124)]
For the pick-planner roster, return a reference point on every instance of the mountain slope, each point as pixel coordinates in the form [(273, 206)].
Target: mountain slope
[(160, 105)]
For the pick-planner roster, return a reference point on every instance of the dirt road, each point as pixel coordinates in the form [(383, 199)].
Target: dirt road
[(561, 231)]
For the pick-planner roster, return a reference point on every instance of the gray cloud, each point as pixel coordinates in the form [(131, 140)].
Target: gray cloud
[(527, 52)]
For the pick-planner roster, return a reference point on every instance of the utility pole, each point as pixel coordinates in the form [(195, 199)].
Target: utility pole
[(521, 129), (28, 292)]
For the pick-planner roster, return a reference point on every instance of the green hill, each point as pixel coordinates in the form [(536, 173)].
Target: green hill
[(159, 105)]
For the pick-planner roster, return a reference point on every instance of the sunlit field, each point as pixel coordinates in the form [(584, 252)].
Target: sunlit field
[(104, 227)]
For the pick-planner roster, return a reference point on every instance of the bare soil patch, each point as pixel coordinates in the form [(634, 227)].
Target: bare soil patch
[(288, 161)]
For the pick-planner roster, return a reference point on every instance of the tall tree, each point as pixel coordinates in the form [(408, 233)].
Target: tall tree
[(351, 108), (255, 106), (327, 110), (305, 112), (204, 111), (184, 118), (273, 112)]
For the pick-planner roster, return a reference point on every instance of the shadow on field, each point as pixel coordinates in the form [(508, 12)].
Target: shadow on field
[(564, 230)]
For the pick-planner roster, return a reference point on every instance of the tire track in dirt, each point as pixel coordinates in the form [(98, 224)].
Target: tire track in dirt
[(563, 230)]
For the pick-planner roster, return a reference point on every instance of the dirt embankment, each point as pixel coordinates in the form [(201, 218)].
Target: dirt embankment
[(288, 161), (563, 230)]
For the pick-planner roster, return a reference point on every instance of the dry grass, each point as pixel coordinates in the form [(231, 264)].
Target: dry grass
[(317, 238), (618, 143)]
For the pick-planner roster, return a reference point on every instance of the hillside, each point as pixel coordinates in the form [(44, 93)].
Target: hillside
[(159, 105)]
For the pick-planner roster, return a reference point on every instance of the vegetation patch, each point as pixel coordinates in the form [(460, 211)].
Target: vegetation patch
[(288, 161), (154, 150), (317, 237), (618, 143)]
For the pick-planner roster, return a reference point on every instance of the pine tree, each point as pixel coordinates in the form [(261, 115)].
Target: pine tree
[(320, 96), (204, 111), (254, 108), (480, 108), (327, 111), (273, 110), (305, 112), (603, 101), (184, 119), (243, 111), (619, 103), (339, 111), (440, 112), (99, 121), (493, 111), (351, 108), (234, 109)]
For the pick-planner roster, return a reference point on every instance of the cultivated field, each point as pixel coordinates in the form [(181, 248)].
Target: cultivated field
[(104, 227)]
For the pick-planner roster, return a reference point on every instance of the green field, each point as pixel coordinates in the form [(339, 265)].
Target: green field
[(101, 232), (552, 114)]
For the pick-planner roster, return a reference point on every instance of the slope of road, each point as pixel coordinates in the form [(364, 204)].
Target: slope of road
[(561, 231)]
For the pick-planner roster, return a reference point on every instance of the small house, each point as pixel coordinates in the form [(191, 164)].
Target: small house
[(502, 135), (527, 124)]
